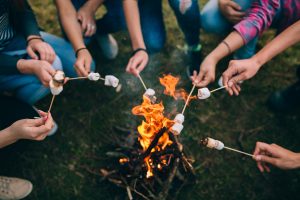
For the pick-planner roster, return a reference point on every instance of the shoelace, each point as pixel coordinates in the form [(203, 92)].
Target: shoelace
[(4, 185)]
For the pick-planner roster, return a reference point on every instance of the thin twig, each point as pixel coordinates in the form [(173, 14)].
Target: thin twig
[(83, 77), (51, 104), (188, 99), (220, 88), (235, 150), (143, 83)]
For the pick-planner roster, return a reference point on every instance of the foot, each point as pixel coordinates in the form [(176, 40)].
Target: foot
[(108, 46), (14, 188), (195, 59), (286, 100)]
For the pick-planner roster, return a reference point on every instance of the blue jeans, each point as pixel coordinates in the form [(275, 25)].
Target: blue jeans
[(28, 88), (213, 21)]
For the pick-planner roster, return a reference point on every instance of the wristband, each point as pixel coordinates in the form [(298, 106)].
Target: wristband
[(34, 38), (78, 50), (137, 50), (227, 45)]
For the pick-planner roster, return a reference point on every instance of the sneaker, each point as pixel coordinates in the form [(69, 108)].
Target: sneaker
[(286, 100), (108, 46), (14, 188), (195, 59)]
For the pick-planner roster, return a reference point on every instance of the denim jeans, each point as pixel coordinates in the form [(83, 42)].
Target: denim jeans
[(28, 88), (213, 21), (152, 23)]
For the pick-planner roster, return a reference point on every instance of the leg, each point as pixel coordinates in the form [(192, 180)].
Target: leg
[(187, 14), (65, 52), (152, 23)]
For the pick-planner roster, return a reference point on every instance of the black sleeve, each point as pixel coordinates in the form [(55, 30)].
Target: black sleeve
[(8, 64), (25, 21)]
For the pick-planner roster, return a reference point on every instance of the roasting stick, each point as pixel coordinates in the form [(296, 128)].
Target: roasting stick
[(143, 83), (188, 99), (78, 78), (220, 88), (238, 151), (51, 104)]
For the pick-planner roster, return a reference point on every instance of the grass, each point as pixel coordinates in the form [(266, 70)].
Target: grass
[(86, 113)]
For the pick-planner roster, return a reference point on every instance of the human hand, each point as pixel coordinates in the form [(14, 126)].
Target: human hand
[(206, 74), (137, 63), (231, 10), (275, 155), (83, 63), (32, 129), (42, 69), (86, 17), (238, 71), (44, 50)]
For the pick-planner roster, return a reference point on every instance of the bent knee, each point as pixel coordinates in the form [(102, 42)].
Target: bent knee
[(214, 23)]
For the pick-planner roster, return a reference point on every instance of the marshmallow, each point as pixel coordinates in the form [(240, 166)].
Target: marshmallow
[(203, 93), (111, 81), (94, 76), (59, 76), (55, 88), (176, 128), (179, 118), (220, 82), (213, 144), (149, 92)]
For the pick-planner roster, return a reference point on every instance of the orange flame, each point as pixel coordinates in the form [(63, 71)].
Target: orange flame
[(170, 82), (154, 121)]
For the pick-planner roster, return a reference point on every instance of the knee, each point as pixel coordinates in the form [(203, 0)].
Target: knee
[(211, 23), (154, 46), (57, 65)]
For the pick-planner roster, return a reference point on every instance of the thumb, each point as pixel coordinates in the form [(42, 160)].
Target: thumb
[(37, 122), (32, 54), (237, 79), (266, 159)]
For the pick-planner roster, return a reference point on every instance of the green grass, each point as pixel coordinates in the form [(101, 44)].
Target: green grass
[(86, 113)]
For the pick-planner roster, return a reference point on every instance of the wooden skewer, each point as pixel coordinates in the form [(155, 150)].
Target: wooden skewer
[(51, 104), (139, 76), (220, 88), (188, 99), (235, 150), (78, 78)]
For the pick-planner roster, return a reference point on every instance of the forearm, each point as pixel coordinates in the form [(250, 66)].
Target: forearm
[(132, 16), (71, 26), (283, 41), (6, 138), (232, 42)]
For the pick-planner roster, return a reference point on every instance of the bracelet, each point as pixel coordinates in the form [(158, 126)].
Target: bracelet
[(78, 50), (137, 50), (34, 38), (227, 45)]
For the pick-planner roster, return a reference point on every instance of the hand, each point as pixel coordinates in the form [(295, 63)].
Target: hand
[(44, 50), (32, 129), (137, 63), (206, 74), (238, 71), (83, 63), (42, 69), (231, 10), (275, 155), (86, 17)]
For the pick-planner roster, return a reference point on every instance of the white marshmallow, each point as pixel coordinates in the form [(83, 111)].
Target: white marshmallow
[(149, 93), (214, 144), (220, 82), (54, 88), (176, 128), (179, 118), (203, 93), (94, 76), (111, 81), (59, 76)]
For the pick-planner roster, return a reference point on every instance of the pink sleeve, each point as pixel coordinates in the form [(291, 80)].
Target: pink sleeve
[(259, 18)]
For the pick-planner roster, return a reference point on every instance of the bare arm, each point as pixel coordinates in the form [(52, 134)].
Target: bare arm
[(6, 138)]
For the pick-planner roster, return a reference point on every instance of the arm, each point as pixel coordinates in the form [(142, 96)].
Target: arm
[(140, 59), (240, 70)]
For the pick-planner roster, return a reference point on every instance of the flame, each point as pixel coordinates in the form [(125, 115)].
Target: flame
[(170, 82), (153, 123)]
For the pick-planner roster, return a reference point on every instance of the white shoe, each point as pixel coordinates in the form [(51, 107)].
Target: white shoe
[(108, 46), (14, 188)]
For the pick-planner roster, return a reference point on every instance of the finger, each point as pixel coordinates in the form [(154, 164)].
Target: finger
[(236, 79), (142, 66), (266, 167), (49, 123), (83, 25), (51, 71), (263, 147), (81, 70), (234, 5), (35, 122), (87, 67), (129, 65), (41, 137), (32, 54), (267, 159), (235, 90), (88, 30), (52, 54), (199, 79), (260, 167), (134, 65)]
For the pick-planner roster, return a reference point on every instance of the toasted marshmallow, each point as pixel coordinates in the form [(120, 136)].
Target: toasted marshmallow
[(111, 81), (176, 128), (55, 88), (59, 76), (179, 118), (203, 93), (94, 76), (213, 144), (149, 92)]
